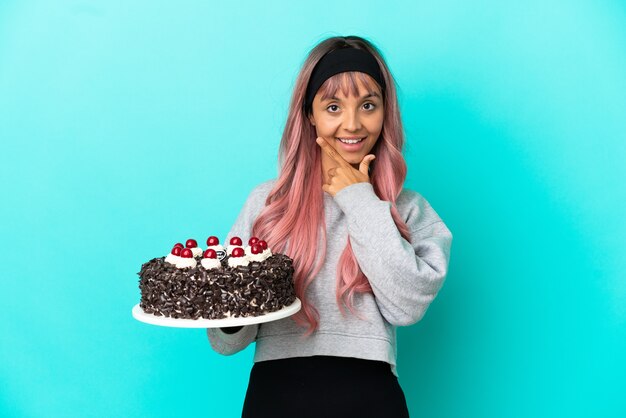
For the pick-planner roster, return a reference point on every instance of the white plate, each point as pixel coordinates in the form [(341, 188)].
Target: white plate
[(164, 321)]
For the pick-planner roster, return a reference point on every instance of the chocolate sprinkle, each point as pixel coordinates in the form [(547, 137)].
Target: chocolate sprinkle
[(192, 293)]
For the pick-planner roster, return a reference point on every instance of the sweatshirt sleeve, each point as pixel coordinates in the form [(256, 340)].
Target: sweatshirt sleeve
[(405, 276), (220, 341)]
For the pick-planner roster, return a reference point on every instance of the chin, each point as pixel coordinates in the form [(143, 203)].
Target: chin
[(348, 157), (354, 161)]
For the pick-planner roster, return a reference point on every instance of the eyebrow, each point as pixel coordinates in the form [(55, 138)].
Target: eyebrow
[(373, 94)]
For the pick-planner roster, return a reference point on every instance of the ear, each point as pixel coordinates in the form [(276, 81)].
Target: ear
[(312, 119)]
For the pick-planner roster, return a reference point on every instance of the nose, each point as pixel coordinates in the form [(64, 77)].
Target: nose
[(352, 121)]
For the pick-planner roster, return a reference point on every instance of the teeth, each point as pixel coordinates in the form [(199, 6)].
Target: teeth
[(350, 141)]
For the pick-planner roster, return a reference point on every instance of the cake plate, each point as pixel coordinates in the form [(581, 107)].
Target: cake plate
[(164, 321)]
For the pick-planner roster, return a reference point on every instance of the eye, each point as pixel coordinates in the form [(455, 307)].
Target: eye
[(372, 106), (332, 106)]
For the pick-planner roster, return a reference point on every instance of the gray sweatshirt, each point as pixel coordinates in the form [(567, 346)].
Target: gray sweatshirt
[(405, 278)]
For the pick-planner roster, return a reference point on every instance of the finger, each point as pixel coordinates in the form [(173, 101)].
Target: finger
[(328, 149), (332, 172), (365, 164)]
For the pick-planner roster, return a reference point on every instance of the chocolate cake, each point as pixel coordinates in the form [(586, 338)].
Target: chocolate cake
[(241, 282)]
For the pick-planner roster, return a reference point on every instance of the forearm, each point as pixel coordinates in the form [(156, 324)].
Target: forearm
[(230, 343)]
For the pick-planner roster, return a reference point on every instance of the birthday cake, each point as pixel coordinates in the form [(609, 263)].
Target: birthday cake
[(217, 282)]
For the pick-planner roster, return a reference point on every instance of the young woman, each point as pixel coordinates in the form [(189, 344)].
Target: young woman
[(358, 240)]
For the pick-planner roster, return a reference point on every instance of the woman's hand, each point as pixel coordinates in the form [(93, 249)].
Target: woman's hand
[(344, 174)]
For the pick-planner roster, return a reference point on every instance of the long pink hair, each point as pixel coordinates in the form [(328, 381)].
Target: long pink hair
[(292, 221)]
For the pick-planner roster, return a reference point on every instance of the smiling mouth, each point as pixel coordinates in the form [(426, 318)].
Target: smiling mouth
[(351, 141)]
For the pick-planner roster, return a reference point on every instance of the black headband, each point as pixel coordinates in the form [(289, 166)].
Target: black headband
[(339, 61)]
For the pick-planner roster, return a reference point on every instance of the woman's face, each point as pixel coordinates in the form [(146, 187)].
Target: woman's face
[(349, 119)]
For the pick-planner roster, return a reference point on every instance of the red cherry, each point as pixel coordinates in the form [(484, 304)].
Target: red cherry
[(253, 241), (191, 243), (212, 240), (238, 252), (263, 244), (178, 244), (235, 241), (256, 249), (210, 253), (186, 253), (176, 250)]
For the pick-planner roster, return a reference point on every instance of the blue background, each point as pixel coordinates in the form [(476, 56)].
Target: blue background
[(128, 125)]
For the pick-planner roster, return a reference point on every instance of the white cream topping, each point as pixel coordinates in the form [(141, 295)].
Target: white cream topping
[(256, 257), (217, 247), (196, 251), (172, 259), (210, 263), (230, 248), (238, 261), (186, 262), (260, 257)]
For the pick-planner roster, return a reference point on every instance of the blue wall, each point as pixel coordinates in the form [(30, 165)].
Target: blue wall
[(125, 126)]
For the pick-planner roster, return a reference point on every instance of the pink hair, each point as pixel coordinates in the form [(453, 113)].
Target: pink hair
[(293, 216)]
